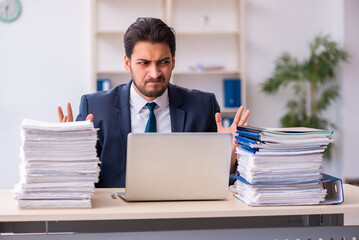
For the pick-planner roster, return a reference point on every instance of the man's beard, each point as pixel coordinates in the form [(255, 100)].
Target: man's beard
[(154, 93)]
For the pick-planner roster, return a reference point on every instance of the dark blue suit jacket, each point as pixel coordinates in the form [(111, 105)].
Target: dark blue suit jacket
[(190, 110)]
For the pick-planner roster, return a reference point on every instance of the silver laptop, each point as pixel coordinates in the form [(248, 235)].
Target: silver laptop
[(177, 166)]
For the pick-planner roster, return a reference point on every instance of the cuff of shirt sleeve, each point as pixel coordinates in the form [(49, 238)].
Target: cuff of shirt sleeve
[(231, 179)]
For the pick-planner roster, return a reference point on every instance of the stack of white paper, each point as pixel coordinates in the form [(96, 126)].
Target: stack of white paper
[(59, 165), (280, 194), (278, 164), (278, 168)]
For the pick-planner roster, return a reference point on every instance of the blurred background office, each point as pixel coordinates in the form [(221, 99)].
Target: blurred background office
[(48, 58)]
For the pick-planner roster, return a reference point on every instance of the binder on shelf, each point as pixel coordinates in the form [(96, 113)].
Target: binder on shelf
[(332, 185), (103, 84), (206, 67), (227, 121), (232, 92)]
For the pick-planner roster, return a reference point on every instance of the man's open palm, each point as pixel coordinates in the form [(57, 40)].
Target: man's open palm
[(69, 117)]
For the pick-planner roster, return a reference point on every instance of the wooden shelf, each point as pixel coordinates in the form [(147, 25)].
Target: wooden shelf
[(208, 32), (209, 72), (111, 72), (190, 33), (236, 72), (99, 33), (229, 111)]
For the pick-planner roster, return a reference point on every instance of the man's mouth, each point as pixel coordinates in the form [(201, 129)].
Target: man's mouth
[(154, 80)]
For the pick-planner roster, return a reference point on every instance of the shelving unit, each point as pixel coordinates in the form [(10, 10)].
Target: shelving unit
[(208, 32)]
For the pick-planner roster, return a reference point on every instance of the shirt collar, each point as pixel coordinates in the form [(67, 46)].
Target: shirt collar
[(138, 102)]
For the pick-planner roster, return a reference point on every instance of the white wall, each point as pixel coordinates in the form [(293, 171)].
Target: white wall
[(44, 62), (350, 87)]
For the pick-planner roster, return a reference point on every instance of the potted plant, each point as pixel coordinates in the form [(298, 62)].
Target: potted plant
[(313, 81)]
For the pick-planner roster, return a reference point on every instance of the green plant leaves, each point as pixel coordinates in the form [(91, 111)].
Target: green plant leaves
[(327, 97), (312, 80)]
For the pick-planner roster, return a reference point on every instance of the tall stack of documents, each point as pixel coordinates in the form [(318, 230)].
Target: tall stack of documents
[(280, 166), (59, 165)]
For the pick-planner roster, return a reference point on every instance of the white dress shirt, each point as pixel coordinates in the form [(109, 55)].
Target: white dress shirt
[(140, 112)]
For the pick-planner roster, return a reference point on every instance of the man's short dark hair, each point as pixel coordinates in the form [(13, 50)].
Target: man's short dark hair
[(149, 29)]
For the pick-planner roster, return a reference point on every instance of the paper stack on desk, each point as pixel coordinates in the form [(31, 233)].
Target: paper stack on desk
[(59, 165), (280, 166)]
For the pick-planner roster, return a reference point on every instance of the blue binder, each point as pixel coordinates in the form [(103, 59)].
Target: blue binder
[(103, 84), (227, 121), (333, 185), (232, 93)]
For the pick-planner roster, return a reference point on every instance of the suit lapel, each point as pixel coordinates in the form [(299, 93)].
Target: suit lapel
[(178, 115), (123, 115)]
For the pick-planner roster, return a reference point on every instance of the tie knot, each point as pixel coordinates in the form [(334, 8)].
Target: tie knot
[(151, 106)]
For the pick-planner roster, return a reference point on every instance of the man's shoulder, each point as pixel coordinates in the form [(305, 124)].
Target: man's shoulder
[(108, 93), (190, 93), (192, 99)]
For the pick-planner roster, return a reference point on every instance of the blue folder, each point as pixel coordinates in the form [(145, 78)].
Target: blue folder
[(334, 186)]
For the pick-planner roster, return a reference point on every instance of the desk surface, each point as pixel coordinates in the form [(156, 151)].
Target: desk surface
[(106, 208)]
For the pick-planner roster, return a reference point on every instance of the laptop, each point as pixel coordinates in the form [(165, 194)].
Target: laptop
[(177, 166)]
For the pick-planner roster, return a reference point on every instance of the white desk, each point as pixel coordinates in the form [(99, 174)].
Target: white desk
[(178, 217)]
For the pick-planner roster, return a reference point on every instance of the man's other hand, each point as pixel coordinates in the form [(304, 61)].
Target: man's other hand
[(239, 120), (69, 117)]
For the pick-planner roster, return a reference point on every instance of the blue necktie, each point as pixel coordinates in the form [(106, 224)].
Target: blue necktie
[(151, 123)]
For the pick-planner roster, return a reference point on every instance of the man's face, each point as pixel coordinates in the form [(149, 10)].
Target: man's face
[(150, 66)]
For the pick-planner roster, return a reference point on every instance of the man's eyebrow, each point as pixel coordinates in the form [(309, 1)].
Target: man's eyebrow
[(162, 59), (144, 60)]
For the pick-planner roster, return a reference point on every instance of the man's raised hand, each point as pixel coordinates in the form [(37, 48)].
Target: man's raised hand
[(239, 120), (69, 117)]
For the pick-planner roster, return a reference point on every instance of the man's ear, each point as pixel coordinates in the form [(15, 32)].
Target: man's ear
[(127, 64), (173, 61)]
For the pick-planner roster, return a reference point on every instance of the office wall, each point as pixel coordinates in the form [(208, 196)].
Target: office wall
[(350, 90), (275, 26), (44, 62)]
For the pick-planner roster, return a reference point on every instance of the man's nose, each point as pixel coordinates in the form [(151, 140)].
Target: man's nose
[(154, 72)]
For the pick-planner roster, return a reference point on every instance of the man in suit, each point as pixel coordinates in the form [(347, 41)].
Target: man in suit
[(148, 102)]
